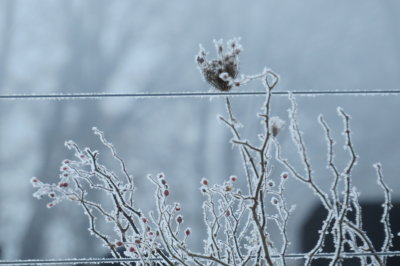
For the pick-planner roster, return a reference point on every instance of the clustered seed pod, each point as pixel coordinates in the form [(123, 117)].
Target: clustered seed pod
[(221, 72)]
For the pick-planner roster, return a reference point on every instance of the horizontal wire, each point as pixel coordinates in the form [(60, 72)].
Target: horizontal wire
[(116, 260), (71, 96)]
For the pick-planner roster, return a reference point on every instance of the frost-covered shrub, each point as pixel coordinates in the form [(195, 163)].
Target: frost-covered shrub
[(236, 218)]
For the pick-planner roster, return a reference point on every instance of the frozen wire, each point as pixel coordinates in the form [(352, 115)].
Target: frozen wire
[(294, 256), (74, 96)]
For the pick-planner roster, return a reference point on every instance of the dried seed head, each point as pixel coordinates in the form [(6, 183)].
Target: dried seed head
[(220, 72), (228, 188), (276, 125)]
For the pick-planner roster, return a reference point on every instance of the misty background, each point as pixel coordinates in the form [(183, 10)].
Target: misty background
[(149, 46)]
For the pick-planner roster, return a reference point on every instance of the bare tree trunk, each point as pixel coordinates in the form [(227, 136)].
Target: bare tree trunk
[(6, 37)]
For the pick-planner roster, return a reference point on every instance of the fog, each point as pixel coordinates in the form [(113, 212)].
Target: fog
[(98, 46)]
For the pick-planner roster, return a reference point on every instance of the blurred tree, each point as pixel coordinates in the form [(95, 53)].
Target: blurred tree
[(87, 66)]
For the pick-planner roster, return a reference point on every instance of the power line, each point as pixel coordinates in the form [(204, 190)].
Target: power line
[(86, 96), (116, 260)]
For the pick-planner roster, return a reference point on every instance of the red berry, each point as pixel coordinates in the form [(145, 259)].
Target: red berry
[(35, 180), (132, 249), (119, 244), (179, 219), (177, 209), (166, 193), (82, 156), (49, 205), (285, 175), (227, 213), (150, 233), (66, 161), (144, 220), (233, 178), (65, 168), (187, 232), (65, 175), (204, 181)]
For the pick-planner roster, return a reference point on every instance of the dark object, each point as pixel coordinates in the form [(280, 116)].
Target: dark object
[(371, 215)]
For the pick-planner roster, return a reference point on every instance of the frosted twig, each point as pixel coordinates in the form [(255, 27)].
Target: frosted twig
[(387, 206)]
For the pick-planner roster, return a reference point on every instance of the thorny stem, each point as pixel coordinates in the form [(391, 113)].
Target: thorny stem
[(298, 139), (347, 191), (232, 124), (362, 235), (387, 206), (331, 163), (337, 211), (92, 222), (258, 195), (116, 192), (320, 242)]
